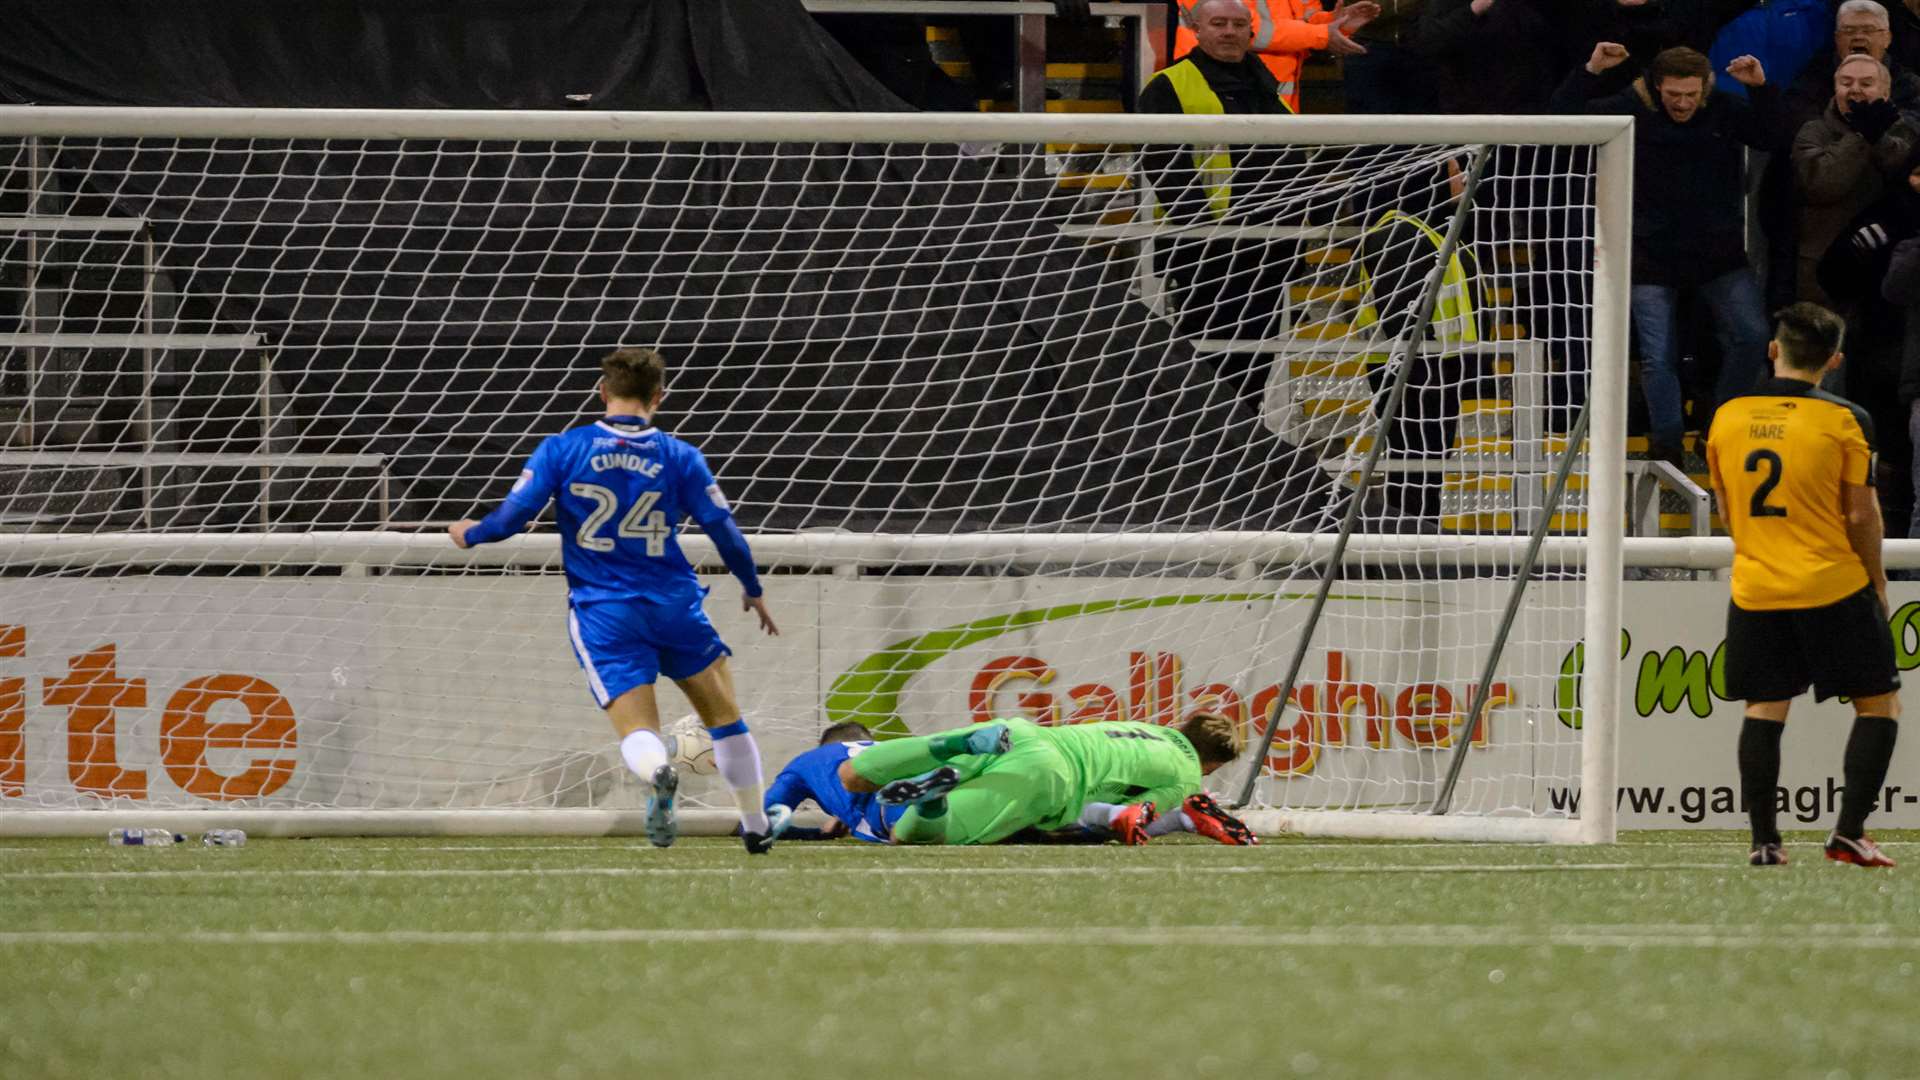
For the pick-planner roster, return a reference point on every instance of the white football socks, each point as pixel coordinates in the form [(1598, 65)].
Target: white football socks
[(1097, 815), (737, 760), (643, 752)]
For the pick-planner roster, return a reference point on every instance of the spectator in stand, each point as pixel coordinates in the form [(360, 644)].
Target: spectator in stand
[(1221, 288), (1218, 74), (1284, 32), (1491, 56), (1785, 35), (1388, 77), (1842, 159), (1647, 28), (1860, 29), (1689, 214), (1905, 17), (1882, 372), (1793, 39), (1900, 286)]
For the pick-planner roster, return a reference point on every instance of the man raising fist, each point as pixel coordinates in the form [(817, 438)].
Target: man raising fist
[(1688, 216)]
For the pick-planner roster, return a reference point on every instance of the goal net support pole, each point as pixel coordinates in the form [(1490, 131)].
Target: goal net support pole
[(1523, 574), (1401, 372)]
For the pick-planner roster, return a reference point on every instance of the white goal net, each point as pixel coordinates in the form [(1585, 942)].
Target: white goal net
[(1057, 417)]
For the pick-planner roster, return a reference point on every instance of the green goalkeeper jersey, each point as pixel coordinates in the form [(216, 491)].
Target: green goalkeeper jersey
[(1125, 762)]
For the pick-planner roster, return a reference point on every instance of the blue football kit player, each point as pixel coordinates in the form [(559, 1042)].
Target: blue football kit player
[(815, 775), (621, 487)]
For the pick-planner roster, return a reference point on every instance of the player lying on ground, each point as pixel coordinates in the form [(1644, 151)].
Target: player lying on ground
[(1792, 467), (621, 487), (983, 783), (815, 775)]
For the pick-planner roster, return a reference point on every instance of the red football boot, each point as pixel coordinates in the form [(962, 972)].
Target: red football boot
[(1861, 852), (1130, 824), (1216, 824)]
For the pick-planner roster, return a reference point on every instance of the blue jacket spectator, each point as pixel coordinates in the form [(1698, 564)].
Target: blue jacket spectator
[(1784, 35)]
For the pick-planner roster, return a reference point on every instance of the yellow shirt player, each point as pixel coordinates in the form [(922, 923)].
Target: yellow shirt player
[(1793, 471)]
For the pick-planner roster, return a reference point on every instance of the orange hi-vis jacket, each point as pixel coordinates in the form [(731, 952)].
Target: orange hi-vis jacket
[(1284, 32)]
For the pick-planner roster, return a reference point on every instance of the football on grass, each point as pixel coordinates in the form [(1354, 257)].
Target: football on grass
[(693, 747)]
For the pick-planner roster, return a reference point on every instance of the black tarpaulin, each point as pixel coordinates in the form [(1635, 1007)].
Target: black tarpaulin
[(866, 337), (430, 54)]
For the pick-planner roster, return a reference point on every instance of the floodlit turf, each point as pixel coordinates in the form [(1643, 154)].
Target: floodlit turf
[(1664, 955)]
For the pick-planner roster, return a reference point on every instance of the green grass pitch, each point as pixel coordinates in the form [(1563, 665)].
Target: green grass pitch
[(1664, 955)]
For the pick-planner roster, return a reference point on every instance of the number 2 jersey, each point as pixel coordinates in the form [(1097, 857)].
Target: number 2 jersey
[(1781, 454), (620, 488)]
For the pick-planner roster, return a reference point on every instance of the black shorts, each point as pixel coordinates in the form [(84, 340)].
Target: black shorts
[(1841, 650)]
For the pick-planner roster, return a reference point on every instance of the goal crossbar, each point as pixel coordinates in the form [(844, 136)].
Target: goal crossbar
[(765, 127)]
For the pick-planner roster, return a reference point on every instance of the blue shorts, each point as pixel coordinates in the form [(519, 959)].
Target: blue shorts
[(622, 644)]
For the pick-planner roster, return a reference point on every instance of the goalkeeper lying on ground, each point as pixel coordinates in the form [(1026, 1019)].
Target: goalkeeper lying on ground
[(984, 783), (814, 776)]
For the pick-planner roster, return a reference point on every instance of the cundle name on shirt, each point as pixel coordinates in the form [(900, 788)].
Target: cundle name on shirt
[(630, 462)]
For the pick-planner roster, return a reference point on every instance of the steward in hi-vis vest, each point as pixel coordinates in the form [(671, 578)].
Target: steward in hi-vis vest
[(1283, 33), (1200, 85), (1394, 257), (1453, 322), (1221, 283)]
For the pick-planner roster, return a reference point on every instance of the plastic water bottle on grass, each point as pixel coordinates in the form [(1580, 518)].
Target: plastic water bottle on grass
[(144, 837), (224, 838)]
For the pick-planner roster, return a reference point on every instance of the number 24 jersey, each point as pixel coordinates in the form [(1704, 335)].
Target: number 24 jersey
[(620, 488), (1781, 454)]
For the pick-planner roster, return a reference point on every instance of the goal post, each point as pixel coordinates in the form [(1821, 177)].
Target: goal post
[(1043, 416)]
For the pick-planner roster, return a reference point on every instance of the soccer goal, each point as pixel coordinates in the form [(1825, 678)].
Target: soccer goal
[(1065, 417)]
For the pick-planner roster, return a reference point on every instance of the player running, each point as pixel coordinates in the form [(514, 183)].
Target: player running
[(1793, 469), (815, 775), (983, 783), (621, 487)]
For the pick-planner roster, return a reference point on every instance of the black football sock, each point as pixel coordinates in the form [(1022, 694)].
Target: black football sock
[(1869, 749), (1760, 776)]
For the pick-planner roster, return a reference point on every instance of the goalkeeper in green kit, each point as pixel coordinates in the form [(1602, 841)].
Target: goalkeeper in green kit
[(983, 783)]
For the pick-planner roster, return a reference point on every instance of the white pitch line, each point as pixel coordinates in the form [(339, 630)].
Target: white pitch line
[(343, 845), (1280, 844), (1878, 937), (900, 871)]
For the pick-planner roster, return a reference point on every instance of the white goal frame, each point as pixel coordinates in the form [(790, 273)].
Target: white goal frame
[(1601, 550)]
